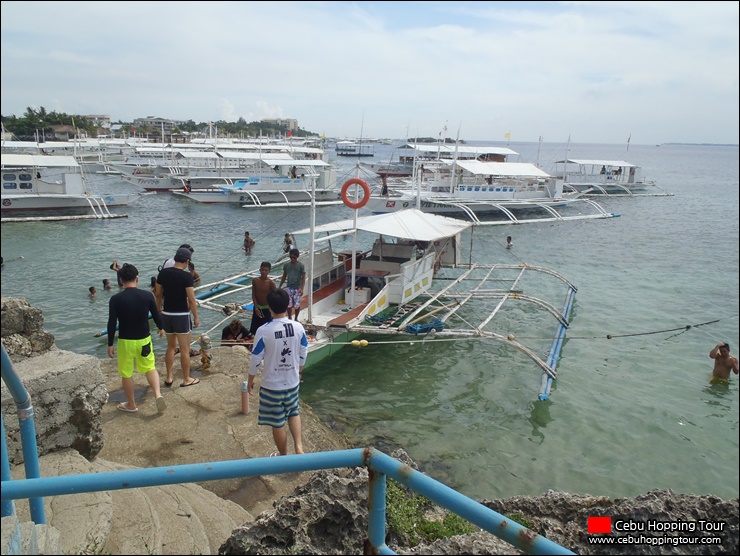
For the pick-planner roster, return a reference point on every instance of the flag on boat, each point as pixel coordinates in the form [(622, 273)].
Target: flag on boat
[(290, 133), (508, 135)]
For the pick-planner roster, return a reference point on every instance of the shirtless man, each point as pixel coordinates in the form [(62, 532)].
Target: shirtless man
[(723, 361), (261, 286)]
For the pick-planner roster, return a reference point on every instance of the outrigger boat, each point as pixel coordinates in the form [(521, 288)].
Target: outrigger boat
[(605, 177), (413, 279)]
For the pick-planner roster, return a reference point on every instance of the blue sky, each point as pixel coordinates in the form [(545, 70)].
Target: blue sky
[(598, 72)]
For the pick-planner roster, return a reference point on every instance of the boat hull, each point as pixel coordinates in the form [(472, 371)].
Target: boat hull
[(63, 202), (454, 205), (215, 196)]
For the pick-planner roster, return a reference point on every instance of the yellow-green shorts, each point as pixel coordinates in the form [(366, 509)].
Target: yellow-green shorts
[(130, 353)]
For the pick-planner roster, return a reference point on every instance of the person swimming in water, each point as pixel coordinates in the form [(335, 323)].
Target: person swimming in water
[(723, 362)]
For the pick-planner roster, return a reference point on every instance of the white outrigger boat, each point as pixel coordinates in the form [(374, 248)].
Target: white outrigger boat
[(48, 183), (414, 278), (605, 177), (503, 192)]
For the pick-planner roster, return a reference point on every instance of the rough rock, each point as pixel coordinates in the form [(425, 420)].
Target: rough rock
[(329, 515), (67, 389), (68, 393), (562, 518), (23, 331)]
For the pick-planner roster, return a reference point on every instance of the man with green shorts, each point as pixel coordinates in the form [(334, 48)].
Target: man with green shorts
[(130, 309)]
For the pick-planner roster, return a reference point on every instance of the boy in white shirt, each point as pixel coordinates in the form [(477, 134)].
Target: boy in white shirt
[(283, 346)]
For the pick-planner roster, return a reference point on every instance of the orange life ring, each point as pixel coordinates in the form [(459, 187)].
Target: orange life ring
[(365, 190)]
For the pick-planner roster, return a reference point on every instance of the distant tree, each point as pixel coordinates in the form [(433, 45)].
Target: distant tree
[(34, 120)]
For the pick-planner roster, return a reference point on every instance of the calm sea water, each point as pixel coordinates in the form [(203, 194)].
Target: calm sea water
[(626, 415)]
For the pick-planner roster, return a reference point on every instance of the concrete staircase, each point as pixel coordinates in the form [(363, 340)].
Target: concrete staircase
[(172, 519)]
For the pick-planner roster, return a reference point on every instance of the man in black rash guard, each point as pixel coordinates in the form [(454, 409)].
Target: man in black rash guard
[(131, 308)]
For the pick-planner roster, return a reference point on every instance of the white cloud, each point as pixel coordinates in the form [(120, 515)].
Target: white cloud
[(663, 71)]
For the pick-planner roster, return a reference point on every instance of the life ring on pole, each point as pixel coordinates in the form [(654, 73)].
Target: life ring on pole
[(365, 190)]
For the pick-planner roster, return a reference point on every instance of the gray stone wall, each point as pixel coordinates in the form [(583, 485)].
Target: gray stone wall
[(67, 390)]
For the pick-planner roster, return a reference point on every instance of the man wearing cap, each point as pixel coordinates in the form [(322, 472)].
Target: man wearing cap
[(723, 362), (176, 300), (171, 262)]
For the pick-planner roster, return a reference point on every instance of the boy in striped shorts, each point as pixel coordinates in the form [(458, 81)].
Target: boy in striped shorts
[(282, 345)]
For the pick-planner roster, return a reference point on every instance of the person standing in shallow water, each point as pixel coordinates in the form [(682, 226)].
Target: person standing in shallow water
[(723, 362), (248, 243)]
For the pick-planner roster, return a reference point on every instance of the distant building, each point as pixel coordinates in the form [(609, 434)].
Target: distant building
[(157, 124), (65, 132), (98, 120), (288, 123)]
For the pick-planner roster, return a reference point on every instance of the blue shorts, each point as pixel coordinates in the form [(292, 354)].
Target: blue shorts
[(295, 297), (176, 324), (276, 406)]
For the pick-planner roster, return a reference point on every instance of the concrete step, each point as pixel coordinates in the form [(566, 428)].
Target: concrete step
[(23, 538), (218, 517), (83, 520), (135, 527), (172, 519)]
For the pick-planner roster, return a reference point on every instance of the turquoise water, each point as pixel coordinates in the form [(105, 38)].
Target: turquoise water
[(626, 414)]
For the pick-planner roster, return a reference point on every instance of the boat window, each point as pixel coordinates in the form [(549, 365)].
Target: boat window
[(9, 177), (26, 185), (25, 177), (10, 185)]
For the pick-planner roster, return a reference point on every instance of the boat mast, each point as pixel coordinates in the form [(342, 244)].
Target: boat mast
[(454, 161), (311, 249), (539, 148)]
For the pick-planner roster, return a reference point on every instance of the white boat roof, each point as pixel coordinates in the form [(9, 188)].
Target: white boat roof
[(518, 169), (586, 162), (274, 159), (410, 224), (461, 149), (196, 154), (255, 156), (41, 160), (293, 162), (20, 145)]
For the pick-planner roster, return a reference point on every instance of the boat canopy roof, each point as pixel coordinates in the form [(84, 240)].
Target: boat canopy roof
[(461, 149), (26, 160), (293, 162), (518, 169), (272, 156), (409, 224), (196, 154), (586, 162)]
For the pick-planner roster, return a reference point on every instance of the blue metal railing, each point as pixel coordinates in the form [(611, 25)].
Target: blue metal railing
[(28, 438), (380, 467)]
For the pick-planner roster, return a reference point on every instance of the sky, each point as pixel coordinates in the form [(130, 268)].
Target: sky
[(597, 72)]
